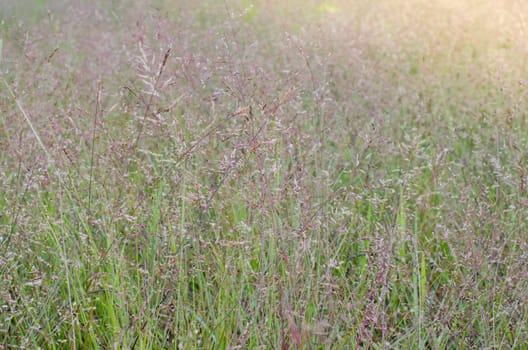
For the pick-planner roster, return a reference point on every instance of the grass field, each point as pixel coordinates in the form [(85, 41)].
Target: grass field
[(263, 174)]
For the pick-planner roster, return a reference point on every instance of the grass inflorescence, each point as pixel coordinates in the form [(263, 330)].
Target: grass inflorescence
[(263, 175)]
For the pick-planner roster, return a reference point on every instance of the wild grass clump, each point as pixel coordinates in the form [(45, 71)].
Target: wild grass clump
[(254, 175)]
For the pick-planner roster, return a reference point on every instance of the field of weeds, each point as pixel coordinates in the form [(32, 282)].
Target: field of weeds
[(263, 174)]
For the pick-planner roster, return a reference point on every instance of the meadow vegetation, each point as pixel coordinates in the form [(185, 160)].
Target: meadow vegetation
[(263, 174)]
